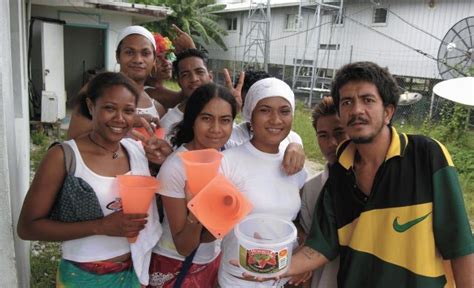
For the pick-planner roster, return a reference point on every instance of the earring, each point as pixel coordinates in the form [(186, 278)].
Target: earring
[(249, 127)]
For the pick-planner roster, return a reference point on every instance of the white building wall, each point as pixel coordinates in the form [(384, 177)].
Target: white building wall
[(113, 22), (14, 143), (368, 45), (358, 43)]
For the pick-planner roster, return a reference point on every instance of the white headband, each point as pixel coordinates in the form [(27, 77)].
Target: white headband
[(136, 30), (265, 88)]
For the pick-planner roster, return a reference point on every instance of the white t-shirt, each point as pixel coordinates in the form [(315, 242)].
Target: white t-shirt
[(172, 177), (260, 177), (101, 247), (171, 117), (241, 134)]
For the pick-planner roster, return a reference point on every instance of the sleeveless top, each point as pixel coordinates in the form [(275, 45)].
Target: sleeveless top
[(151, 110), (101, 247)]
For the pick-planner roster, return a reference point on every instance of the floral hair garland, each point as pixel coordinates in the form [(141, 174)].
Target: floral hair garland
[(164, 45)]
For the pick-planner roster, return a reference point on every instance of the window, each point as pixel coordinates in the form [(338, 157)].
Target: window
[(380, 16), (325, 73), (304, 62), (231, 24), (291, 21), (329, 46)]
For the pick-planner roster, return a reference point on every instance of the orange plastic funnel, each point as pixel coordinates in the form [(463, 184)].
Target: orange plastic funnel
[(136, 193), (200, 166), (159, 132), (219, 206)]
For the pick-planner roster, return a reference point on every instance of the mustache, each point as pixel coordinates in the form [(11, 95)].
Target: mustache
[(357, 119)]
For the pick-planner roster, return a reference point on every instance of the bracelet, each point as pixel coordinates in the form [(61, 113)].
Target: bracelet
[(191, 221)]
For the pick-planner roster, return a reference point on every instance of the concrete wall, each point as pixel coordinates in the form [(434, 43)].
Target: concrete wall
[(112, 22), (358, 42), (14, 142)]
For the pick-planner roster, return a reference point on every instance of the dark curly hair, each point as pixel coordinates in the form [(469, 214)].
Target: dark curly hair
[(96, 87), (252, 76), (186, 54), (369, 72), (324, 108), (183, 131)]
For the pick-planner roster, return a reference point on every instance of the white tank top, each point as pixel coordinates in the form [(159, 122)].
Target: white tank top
[(149, 110), (101, 247)]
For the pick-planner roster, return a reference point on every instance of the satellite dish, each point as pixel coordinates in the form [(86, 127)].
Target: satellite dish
[(456, 53), (459, 90), (408, 98)]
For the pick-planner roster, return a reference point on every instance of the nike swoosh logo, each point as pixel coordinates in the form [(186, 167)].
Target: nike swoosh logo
[(404, 227)]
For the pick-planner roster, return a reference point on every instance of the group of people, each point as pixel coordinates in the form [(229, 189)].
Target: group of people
[(385, 212)]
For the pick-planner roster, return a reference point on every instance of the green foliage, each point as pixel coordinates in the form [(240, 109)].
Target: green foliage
[(452, 126), (44, 256), (302, 125), (44, 260), (39, 138), (195, 17), (40, 142)]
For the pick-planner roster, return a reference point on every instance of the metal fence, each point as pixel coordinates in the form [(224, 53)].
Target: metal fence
[(419, 106)]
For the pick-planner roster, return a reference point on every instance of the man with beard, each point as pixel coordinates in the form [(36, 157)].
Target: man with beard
[(392, 208)]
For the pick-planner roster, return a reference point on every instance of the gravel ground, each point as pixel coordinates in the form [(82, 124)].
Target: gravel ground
[(313, 168)]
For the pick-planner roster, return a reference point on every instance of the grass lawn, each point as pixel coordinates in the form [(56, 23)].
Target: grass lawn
[(302, 125)]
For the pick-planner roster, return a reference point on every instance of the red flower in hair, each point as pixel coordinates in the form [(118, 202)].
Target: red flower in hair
[(163, 44)]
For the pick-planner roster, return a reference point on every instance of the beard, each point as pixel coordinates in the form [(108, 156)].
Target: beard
[(366, 139), (363, 139)]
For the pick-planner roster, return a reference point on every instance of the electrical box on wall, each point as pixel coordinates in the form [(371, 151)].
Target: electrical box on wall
[(49, 107)]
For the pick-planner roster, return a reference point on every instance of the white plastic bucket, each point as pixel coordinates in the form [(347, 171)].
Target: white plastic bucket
[(265, 244)]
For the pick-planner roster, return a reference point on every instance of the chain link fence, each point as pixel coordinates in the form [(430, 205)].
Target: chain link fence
[(417, 105)]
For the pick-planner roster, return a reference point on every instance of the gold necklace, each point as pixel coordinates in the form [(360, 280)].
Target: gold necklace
[(114, 153)]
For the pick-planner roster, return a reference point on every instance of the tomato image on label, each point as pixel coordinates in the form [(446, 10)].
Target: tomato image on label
[(260, 260)]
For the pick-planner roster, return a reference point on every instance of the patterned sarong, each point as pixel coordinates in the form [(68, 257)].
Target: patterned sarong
[(164, 271), (96, 274)]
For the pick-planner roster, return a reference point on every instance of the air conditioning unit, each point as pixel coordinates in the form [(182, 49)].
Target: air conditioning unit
[(49, 107)]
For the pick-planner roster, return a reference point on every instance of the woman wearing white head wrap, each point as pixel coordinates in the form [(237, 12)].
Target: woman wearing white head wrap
[(265, 88), (136, 55), (139, 30), (255, 168), (294, 158)]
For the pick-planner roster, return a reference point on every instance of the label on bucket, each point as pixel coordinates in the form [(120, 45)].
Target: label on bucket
[(263, 260)]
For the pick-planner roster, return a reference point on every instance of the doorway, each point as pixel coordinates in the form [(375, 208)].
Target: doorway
[(84, 56)]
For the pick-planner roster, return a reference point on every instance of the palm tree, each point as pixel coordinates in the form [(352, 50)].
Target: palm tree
[(195, 17)]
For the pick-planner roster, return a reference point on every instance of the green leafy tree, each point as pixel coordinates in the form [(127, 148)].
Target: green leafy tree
[(195, 17)]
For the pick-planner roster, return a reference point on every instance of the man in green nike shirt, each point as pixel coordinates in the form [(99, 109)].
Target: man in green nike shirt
[(392, 208)]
